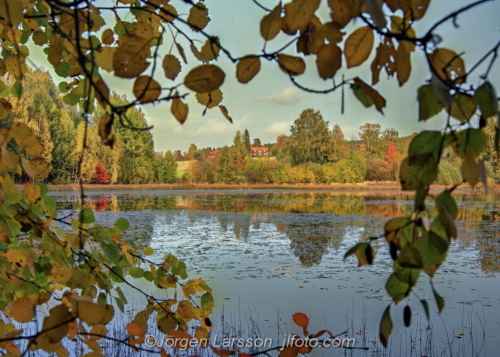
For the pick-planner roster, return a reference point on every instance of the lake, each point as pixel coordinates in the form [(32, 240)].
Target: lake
[(269, 254)]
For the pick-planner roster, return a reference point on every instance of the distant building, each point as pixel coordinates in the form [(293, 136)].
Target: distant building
[(213, 153), (361, 147), (259, 151)]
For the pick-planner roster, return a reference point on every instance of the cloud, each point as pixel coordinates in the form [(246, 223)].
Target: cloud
[(283, 127), (290, 95)]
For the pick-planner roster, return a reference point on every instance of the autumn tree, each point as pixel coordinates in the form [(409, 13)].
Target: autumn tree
[(339, 147), (256, 142), (101, 176), (310, 140), (391, 157), (225, 169), (370, 136), (142, 45)]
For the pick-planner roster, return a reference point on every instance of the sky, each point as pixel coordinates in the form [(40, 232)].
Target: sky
[(269, 103)]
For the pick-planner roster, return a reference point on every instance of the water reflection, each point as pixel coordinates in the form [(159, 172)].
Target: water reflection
[(313, 222)]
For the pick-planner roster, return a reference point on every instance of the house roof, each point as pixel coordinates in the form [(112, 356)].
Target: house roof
[(259, 148)]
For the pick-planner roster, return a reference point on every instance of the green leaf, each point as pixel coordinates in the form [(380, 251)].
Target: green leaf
[(420, 197), (439, 299), (396, 288), (428, 102), (363, 252), (17, 90), (406, 275), (121, 225), (410, 257), (136, 273), (149, 276), (385, 326), (463, 108), (101, 298), (207, 302), (63, 87), (426, 142), (486, 98), (86, 216), (362, 97), (71, 98), (121, 295), (399, 230), (111, 251), (445, 199), (62, 69), (470, 142), (120, 305), (433, 249), (420, 173)]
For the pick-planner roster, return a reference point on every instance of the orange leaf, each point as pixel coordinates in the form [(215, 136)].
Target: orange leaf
[(221, 353), (300, 319)]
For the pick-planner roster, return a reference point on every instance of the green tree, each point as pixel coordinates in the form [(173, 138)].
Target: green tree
[(370, 137), (246, 141), (225, 170), (310, 140), (339, 147)]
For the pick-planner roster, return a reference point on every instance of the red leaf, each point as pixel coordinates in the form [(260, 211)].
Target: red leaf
[(289, 352), (300, 319), (244, 355), (221, 353)]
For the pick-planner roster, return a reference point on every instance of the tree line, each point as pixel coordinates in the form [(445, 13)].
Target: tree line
[(64, 135), (316, 153)]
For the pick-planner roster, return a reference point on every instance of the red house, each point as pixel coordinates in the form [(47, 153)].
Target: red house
[(259, 151), (213, 153)]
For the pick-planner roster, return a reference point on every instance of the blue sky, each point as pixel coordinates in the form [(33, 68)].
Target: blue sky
[(269, 104)]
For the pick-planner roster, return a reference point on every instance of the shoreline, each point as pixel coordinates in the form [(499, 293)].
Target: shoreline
[(364, 186)]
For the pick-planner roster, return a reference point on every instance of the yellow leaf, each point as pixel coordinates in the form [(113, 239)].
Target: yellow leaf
[(105, 126), (224, 112), (16, 65), (98, 330), (108, 37), (298, 14), (417, 9), (40, 168), (22, 310), (198, 16), (171, 66), (2, 67), (270, 25), (179, 109), (40, 298), (129, 59), (55, 50), (211, 99), (166, 323), (202, 336), (90, 313), (210, 50), (470, 171), (104, 57), (168, 12), (55, 325), (12, 12), (61, 273), (448, 65), (5, 108), (109, 313), (181, 52), (96, 19), (403, 64), (148, 251), (9, 159), (344, 10), (31, 192), (328, 60), (26, 139), (291, 65), (18, 257), (101, 93), (146, 89), (205, 78), (358, 46), (247, 68)]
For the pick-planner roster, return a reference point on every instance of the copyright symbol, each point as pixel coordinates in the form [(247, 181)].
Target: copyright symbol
[(150, 341)]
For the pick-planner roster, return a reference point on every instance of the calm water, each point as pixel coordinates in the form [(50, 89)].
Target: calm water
[(270, 254)]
